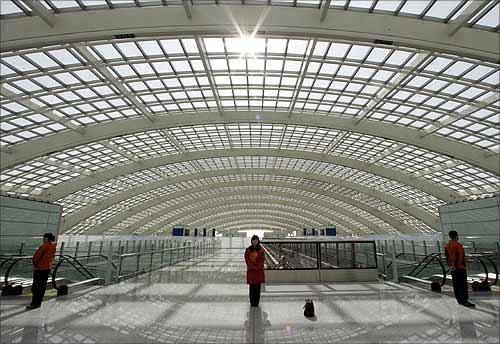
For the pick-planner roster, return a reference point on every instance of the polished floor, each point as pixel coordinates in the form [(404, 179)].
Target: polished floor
[(205, 300)]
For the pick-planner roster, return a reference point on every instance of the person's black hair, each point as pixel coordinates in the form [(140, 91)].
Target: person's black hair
[(453, 234), (258, 244), (49, 237)]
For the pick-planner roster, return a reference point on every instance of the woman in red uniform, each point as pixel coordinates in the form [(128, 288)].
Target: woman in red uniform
[(254, 257)]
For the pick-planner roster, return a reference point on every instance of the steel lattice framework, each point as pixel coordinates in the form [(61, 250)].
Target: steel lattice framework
[(138, 115)]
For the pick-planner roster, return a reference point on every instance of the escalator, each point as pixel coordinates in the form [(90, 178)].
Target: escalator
[(482, 270), (17, 274)]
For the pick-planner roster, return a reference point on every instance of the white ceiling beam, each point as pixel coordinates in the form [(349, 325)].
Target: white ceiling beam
[(282, 186), (103, 70), (200, 44), (68, 167), (200, 217), (41, 110), (436, 168), (324, 10), (354, 26), (62, 190), (39, 10), (453, 117), (187, 8), (225, 196), (426, 217), (120, 151), (472, 9), (303, 72), (436, 143), (403, 74)]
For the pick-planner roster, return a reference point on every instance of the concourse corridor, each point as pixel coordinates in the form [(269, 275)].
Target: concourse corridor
[(205, 300)]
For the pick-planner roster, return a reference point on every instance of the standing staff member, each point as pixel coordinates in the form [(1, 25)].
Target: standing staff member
[(42, 262), (254, 257), (455, 256)]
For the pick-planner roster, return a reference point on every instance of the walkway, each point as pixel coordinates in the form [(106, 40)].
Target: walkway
[(205, 301)]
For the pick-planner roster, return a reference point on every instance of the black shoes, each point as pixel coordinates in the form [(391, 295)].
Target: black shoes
[(30, 307), (468, 304)]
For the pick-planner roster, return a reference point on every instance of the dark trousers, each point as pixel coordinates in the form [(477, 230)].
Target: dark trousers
[(460, 287), (40, 278), (254, 294)]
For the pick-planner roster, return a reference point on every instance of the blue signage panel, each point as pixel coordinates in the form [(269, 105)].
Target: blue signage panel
[(331, 231), (177, 231)]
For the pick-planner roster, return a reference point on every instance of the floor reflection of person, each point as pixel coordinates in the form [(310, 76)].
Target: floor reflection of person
[(255, 325), (254, 258)]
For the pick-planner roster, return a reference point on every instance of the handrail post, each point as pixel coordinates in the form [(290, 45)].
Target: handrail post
[(162, 253), (77, 248), (413, 249), (425, 247), (474, 246), (151, 261), (353, 255), (394, 265), (109, 265), (120, 264), (318, 256), (137, 265), (89, 251), (21, 247)]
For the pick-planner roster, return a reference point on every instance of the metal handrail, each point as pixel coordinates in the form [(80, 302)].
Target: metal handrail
[(67, 258), (16, 260), (432, 256)]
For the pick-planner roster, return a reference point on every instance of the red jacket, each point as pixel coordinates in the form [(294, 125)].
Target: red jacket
[(455, 255), (255, 265), (42, 259)]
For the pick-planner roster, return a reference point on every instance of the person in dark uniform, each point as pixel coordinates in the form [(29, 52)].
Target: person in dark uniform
[(42, 262), (254, 258), (455, 256)]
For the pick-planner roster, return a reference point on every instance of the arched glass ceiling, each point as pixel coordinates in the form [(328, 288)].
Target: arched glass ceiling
[(383, 132), (433, 10)]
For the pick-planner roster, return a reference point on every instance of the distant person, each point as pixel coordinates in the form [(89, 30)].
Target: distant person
[(42, 262), (455, 256), (254, 257), (283, 264)]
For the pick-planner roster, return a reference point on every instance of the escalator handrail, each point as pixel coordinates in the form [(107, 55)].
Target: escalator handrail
[(494, 268), (432, 256), (69, 259), (15, 261), (438, 258)]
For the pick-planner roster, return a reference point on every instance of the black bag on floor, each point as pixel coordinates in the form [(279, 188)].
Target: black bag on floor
[(436, 287), (309, 309), (475, 286), (484, 286)]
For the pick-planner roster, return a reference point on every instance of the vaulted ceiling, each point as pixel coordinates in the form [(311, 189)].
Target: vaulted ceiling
[(138, 116)]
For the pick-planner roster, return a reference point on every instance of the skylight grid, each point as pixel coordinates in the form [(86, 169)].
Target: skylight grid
[(362, 147), (382, 206), (146, 145), (436, 11)]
